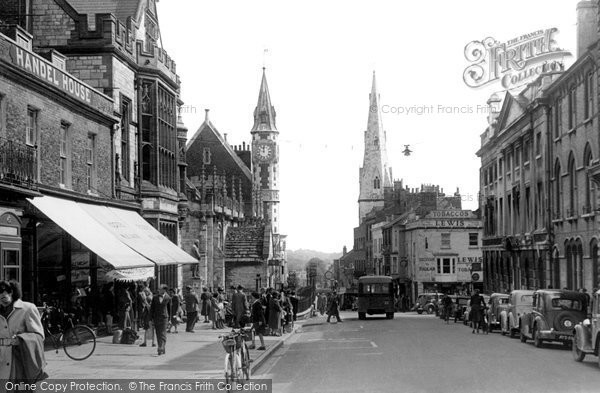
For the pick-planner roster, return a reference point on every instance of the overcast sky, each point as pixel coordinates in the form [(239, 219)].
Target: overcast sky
[(320, 59)]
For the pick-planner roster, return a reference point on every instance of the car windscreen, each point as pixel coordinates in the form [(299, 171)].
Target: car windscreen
[(528, 299), (503, 300), (376, 288), (567, 304)]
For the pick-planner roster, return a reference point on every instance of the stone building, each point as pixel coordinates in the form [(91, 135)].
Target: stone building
[(234, 203), (443, 250), (538, 177)]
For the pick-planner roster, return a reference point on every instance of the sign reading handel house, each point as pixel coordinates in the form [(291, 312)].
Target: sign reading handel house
[(45, 71)]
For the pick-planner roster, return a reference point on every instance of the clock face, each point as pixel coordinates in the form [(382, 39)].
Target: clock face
[(264, 152)]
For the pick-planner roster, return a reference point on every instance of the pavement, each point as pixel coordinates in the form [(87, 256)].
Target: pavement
[(188, 355)]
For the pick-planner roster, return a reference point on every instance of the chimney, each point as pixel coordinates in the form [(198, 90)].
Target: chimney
[(344, 252), (587, 25), (225, 136), (243, 145)]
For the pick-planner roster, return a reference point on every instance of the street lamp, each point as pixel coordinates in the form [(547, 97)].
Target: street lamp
[(204, 267)]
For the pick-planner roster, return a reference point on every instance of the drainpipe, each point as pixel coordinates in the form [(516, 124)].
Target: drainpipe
[(138, 82)]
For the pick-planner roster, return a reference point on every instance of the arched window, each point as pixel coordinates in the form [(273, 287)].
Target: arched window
[(376, 183), (569, 259), (572, 187), (557, 190), (579, 266), (590, 192)]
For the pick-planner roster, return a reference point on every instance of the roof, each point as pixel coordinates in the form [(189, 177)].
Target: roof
[(264, 114), (122, 9), (245, 244), (196, 144)]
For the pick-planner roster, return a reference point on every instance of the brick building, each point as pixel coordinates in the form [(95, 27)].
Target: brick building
[(115, 47)]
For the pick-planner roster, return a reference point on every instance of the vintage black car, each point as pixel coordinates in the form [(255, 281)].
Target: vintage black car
[(553, 316)]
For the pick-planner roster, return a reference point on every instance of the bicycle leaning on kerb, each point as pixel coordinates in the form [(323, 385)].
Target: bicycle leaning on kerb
[(237, 358)]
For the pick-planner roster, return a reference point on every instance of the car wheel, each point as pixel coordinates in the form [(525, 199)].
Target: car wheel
[(537, 341), (566, 321), (362, 316), (430, 310), (419, 311)]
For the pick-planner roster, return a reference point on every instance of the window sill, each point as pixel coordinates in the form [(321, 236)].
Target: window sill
[(588, 215), (557, 139), (571, 131), (588, 120), (557, 220)]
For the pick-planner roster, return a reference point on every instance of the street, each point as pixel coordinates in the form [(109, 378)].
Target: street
[(420, 353)]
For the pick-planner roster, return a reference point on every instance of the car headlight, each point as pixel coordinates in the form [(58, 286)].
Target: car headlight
[(586, 322)]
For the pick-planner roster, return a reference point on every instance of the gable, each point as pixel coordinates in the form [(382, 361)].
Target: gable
[(511, 111)]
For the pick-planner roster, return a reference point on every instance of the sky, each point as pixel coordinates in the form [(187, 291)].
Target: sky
[(319, 58)]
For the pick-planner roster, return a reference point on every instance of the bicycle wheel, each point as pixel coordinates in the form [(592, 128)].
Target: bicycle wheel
[(246, 362), (79, 342)]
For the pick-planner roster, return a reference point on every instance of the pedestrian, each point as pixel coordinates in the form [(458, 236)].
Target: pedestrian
[(294, 301), (259, 322), (205, 304), (239, 306), (145, 300), (275, 314), (108, 305), (214, 310), (333, 309), (477, 307), (191, 309), (447, 307), (21, 338), (175, 309), (123, 307), (160, 311)]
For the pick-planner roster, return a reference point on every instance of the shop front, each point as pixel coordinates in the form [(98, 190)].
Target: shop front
[(81, 250)]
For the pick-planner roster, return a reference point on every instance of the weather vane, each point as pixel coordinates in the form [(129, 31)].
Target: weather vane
[(265, 51), (407, 150)]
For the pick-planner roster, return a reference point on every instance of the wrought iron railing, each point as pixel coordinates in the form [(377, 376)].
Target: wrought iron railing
[(17, 163)]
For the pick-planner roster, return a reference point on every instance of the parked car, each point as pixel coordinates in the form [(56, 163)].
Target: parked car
[(462, 302), (427, 302), (467, 313), (586, 335), (497, 303), (519, 303), (553, 316)]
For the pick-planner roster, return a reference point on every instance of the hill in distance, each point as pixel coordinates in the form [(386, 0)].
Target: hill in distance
[(297, 259)]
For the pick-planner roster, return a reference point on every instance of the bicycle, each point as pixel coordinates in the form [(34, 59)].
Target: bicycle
[(237, 359), (78, 341)]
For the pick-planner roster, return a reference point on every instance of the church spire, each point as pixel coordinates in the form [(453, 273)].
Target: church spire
[(264, 114), (375, 173)]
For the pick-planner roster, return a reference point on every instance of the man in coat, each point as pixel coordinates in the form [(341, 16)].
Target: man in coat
[(160, 309), (334, 309), (191, 308), (239, 306)]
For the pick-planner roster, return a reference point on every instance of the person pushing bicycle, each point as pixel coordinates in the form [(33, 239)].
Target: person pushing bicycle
[(447, 304)]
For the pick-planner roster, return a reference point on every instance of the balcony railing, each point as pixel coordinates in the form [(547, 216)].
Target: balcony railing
[(17, 163)]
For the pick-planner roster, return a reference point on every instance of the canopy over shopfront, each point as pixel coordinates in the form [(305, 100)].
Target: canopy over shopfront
[(74, 220), (131, 229), (120, 237)]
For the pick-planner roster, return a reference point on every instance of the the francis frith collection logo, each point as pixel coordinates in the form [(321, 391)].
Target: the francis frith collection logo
[(514, 62)]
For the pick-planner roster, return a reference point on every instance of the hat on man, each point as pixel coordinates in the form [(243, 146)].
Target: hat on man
[(239, 287)]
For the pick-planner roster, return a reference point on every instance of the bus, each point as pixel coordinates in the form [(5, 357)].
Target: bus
[(375, 296)]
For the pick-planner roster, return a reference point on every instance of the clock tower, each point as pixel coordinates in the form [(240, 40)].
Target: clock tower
[(265, 156), (375, 173)]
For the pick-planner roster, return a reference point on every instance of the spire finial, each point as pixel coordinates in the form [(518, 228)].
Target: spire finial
[(265, 51), (206, 115)]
